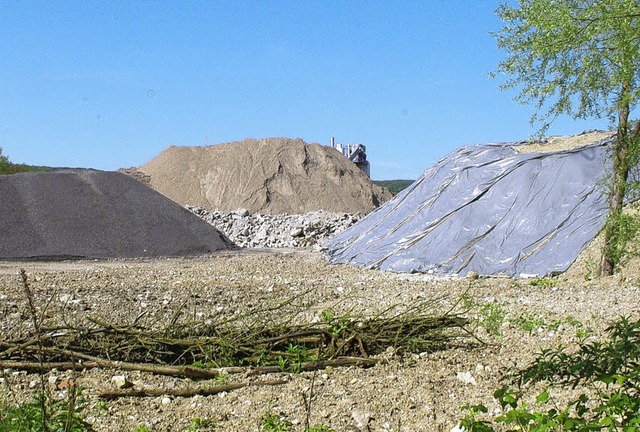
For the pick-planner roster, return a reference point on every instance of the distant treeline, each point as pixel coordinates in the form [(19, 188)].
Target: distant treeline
[(393, 186), (7, 167)]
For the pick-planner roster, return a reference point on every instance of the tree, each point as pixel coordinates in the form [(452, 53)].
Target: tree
[(4, 163), (7, 167), (579, 58)]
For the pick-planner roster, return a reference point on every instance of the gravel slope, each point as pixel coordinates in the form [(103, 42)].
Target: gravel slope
[(85, 213), (402, 393), (270, 176)]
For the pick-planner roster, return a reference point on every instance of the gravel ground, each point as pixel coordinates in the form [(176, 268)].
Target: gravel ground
[(408, 392)]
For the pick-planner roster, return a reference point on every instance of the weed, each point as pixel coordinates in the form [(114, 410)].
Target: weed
[(546, 282), (624, 233), (492, 316), (58, 415), (274, 423), (610, 366), (572, 321), (319, 428), (222, 379), (199, 424), (142, 428), (327, 315), (528, 322)]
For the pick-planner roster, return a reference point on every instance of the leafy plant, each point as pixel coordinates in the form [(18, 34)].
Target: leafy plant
[(271, 422), (142, 428), (546, 282), (491, 316), (611, 368), (624, 229), (198, 424), (46, 413), (528, 322)]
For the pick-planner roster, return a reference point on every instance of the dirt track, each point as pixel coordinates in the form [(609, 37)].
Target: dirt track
[(407, 392)]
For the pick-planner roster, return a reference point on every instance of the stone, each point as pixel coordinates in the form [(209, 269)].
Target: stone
[(121, 382)]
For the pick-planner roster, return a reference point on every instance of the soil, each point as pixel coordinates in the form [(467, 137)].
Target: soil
[(270, 176), (403, 392)]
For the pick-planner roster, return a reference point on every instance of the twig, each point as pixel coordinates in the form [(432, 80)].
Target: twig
[(187, 392), (179, 371)]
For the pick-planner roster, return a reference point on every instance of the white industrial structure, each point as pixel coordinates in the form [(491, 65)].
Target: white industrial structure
[(356, 153)]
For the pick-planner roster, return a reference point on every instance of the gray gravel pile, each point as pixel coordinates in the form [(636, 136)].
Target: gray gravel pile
[(283, 230), (95, 214)]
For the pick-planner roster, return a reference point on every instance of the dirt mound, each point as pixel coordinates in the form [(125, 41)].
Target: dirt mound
[(95, 214), (271, 176)]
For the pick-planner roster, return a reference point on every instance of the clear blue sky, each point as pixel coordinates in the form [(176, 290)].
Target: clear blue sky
[(110, 84)]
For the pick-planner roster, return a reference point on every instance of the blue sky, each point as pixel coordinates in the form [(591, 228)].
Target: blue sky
[(110, 84)]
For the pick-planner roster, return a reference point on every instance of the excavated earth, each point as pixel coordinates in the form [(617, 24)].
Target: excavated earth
[(270, 176), (510, 322), (403, 392)]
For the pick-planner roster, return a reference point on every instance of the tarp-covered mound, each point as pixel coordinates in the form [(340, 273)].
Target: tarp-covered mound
[(95, 214), (272, 176), (488, 209)]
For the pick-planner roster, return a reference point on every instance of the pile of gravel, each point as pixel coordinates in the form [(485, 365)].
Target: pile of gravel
[(267, 176), (284, 230), (95, 214)]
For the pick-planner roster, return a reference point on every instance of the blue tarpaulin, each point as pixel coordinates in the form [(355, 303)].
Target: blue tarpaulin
[(487, 209)]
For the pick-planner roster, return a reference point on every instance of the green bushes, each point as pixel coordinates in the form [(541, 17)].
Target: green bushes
[(608, 372)]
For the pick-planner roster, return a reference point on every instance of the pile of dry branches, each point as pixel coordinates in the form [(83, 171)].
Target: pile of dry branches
[(270, 339)]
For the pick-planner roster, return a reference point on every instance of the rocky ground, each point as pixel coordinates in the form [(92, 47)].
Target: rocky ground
[(277, 231), (403, 392)]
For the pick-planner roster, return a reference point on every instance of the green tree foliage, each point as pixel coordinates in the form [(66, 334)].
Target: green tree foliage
[(579, 58), (4, 163), (7, 167)]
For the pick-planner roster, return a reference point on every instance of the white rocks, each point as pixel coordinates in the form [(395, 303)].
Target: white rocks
[(53, 381), (466, 378), (277, 231), (121, 382), (361, 418)]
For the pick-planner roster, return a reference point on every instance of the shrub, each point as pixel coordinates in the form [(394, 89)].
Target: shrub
[(611, 368)]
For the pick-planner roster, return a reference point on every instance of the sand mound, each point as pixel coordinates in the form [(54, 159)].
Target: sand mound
[(95, 214), (271, 176)]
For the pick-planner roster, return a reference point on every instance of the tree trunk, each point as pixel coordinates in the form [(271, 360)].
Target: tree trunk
[(621, 166)]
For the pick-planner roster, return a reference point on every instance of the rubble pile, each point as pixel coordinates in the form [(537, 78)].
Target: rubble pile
[(277, 231)]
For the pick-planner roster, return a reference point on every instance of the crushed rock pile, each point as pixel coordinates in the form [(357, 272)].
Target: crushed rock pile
[(273, 231), (268, 176), (95, 214)]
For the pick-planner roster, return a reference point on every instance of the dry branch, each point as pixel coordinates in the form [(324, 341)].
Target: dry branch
[(187, 392), (181, 371), (266, 340)]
